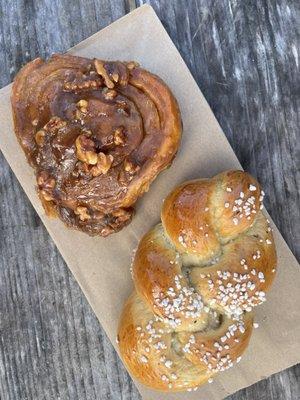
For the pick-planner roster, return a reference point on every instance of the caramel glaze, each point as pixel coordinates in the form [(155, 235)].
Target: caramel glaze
[(97, 134)]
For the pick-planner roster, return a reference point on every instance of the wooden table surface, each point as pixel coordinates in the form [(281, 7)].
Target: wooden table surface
[(244, 56)]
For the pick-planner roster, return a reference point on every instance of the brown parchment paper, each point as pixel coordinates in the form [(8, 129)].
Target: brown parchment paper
[(101, 265)]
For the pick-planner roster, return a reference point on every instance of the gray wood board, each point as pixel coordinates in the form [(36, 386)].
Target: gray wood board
[(244, 56)]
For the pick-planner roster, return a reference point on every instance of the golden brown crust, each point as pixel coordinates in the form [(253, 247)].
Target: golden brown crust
[(187, 220), (101, 130), (197, 277), (154, 354)]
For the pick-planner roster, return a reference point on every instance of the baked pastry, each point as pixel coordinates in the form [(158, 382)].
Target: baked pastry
[(97, 134), (197, 277)]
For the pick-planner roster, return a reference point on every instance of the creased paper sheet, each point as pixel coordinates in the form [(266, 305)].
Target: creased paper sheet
[(101, 265)]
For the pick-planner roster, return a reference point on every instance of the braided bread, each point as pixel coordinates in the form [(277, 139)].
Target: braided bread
[(197, 277), (97, 134)]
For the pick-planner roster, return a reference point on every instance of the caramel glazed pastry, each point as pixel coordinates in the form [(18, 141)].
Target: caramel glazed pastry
[(197, 277), (97, 134)]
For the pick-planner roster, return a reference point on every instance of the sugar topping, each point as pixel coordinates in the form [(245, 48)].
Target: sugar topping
[(181, 240), (217, 359), (179, 302), (242, 206), (237, 290)]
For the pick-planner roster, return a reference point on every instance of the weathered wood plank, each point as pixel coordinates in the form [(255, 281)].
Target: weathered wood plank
[(243, 55), (51, 345)]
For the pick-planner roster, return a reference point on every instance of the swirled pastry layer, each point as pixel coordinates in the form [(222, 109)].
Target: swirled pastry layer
[(97, 134)]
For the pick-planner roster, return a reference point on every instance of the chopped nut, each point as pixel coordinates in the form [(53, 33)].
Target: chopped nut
[(86, 150), (119, 136), (102, 72), (82, 212), (123, 107), (45, 181), (115, 77), (82, 103), (67, 85), (80, 113), (87, 84), (109, 94), (46, 195), (107, 230), (107, 141), (35, 122), (132, 65), (55, 123), (40, 137), (49, 206), (46, 184), (103, 164), (131, 167)]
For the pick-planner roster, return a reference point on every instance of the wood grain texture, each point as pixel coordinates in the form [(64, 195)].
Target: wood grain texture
[(244, 56)]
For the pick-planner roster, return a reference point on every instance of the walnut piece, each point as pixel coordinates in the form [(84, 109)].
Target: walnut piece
[(54, 124), (122, 107), (85, 150), (45, 181), (115, 77), (103, 164), (88, 84), (82, 212), (130, 167), (46, 185), (82, 104), (109, 94), (119, 136), (46, 195), (102, 72), (40, 137), (107, 230), (81, 110), (132, 65)]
